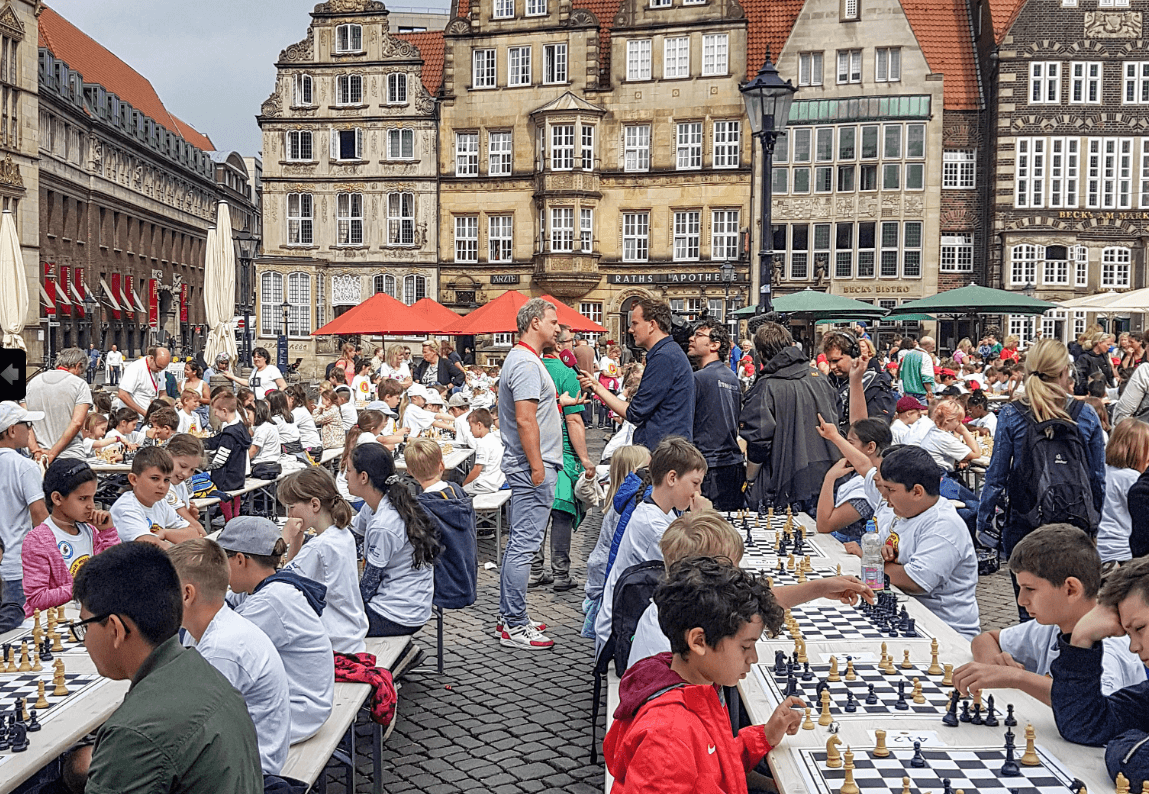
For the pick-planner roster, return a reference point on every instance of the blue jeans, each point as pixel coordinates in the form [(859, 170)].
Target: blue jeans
[(12, 605), (952, 488), (529, 511)]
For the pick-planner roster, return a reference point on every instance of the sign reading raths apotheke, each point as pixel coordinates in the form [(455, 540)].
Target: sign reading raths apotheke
[(672, 278)]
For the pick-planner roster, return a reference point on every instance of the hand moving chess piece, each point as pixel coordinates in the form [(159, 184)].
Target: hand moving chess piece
[(934, 668), (848, 784), (833, 757), (880, 749), (1029, 758)]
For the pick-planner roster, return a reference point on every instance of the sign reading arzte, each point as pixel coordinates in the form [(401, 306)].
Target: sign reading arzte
[(671, 278), (504, 278)]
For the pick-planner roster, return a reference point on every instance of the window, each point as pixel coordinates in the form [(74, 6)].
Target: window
[(850, 10), (347, 144), (689, 145), (799, 245), (727, 135), (849, 66), (1112, 3), (866, 236), (1044, 82), (889, 262), (518, 66), (349, 217), (383, 284), (349, 38), (636, 148), (1023, 265), (299, 304), (1136, 83), (592, 310), (1029, 177), (302, 94), (821, 250), (562, 229), (1056, 270), (270, 301), (638, 59), (845, 179), (466, 239), (660, 3), (715, 54), (414, 289), (555, 63), (1115, 267), (562, 147), (349, 89), (299, 219), (536, 8), (686, 236), (400, 144), (503, 340), (810, 68), (676, 58), (586, 230), (400, 218), (466, 154), (635, 236), (483, 69), (587, 150), (397, 89), (1109, 179), (959, 169), (1085, 83), (844, 251), (299, 145), (498, 153), (888, 64), (823, 179), (824, 144), (504, 9), (499, 238), (1144, 181), (1081, 269), (1063, 168), (891, 176)]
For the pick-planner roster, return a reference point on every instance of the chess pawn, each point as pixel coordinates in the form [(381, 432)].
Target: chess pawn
[(808, 724), (848, 784), (850, 674), (882, 658), (51, 620), (934, 668), (918, 696), (833, 757), (906, 665), (23, 706), (35, 618), (41, 700), (880, 749), (1029, 758), (905, 785), (833, 677), (948, 680), (11, 668), (36, 666), (25, 666), (825, 718), (37, 635), (839, 569)]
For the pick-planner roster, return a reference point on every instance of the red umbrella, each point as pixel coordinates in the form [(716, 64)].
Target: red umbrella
[(498, 317), (380, 314), (438, 315)]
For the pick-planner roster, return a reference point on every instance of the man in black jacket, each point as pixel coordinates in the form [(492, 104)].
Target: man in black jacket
[(436, 369), (717, 400), (864, 389)]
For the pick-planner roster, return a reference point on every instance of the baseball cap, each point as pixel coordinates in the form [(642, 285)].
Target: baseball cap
[(860, 323), (949, 373), (434, 398), (417, 390), (458, 401), (12, 413), (249, 535), (908, 403)]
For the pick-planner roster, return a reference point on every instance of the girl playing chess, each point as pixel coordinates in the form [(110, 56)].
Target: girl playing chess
[(54, 552)]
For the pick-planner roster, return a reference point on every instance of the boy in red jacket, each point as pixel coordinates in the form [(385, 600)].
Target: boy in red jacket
[(671, 731)]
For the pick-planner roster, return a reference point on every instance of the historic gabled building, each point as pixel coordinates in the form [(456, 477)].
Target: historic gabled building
[(126, 195), (349, 179), (1071, 189), (595, 151)]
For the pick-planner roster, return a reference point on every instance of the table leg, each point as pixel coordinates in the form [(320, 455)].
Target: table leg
[(499, 537), (377, 755)]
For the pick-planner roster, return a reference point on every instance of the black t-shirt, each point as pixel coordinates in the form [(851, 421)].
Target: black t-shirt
[(717, 401)]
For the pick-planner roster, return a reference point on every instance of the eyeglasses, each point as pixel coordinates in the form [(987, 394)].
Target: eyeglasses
[(79, 629), (704, 335), (565, 341)]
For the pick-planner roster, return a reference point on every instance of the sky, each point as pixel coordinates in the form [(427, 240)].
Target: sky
[(213, 61)]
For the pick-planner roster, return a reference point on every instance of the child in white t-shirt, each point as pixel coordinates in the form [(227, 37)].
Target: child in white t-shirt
[(940, 440), (189, 419), (486, 474), (1126, 458), (96, 438), (265, 448), (141, 513), (187, 455)]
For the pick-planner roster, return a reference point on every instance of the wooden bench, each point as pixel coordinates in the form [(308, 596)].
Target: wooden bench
[(250, 485), (489, 512)]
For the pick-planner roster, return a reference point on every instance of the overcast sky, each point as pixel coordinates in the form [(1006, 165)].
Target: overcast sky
[(213, 61)]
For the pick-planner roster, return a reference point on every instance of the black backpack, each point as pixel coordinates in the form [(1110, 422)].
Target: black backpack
[(456, 567), (1053, 484), (881, 400)]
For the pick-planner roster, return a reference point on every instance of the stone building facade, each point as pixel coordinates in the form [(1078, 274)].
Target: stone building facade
[(127, 193), (1071, 189), (349, 179), (595, 152)]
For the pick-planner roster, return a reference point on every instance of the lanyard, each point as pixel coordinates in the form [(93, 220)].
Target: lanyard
[(528, 347)]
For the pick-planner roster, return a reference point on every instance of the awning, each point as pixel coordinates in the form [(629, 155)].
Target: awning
[(138, 302), (75, 294), (62, 295), (108, 292), (49, 305)]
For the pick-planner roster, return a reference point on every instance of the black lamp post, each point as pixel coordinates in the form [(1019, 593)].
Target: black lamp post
[(281, 357), (726, 269), (768, 100), (90, 306)]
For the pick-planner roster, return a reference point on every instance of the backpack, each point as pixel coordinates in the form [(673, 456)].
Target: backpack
[(881, 401), (456, 567), (1052, 485)]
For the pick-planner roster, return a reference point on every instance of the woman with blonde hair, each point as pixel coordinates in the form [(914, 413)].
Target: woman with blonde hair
[(395, 368), (964, 347), (1011, 472)]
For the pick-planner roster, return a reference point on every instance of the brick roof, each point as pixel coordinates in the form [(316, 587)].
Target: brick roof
[(1004, 12), (99, 65), (943, 31), (430, 46), (770, 24)]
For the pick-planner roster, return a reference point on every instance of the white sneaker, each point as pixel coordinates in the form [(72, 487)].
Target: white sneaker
[(526, 637), (534, 624)]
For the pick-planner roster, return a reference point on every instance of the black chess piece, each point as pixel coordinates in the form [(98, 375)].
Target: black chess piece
[(976, 719), (911, 629), (33, 723), (991, 714), (781, 567), (19, 736), (900, 704), (919, 760), (851, 703), (779, 662), (4, 743), (46, 650), (1010, 767), (871, 698), (1010, 720), (950, 718), (806, 674), (791, 686), (749, 542), (965, 715)]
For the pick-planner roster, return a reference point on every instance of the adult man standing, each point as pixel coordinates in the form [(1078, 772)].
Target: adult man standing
[(21, 506), (93, 362), (114, 361), (664, 403), (532, 457), (63, 398), (916, 371), (143, 380), (717, 400)]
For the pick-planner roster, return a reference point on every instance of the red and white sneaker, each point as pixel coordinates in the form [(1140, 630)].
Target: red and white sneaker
[(534, 624), (527, 638)]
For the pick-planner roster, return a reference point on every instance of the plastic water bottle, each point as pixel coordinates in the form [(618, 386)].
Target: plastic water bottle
[(873, 566)]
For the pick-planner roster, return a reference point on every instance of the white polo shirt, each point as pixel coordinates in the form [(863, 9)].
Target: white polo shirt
[(132, 519), (330, 559), (140, 383), (1036, 646)]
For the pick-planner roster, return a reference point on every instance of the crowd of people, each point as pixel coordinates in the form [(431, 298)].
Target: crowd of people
[(862, 439)]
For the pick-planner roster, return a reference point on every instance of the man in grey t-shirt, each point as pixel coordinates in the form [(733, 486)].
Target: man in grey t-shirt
[(532, 435), (65, 398)]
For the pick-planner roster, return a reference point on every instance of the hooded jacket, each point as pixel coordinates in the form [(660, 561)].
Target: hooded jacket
[(779, 422), (676, 741), (313, 591)]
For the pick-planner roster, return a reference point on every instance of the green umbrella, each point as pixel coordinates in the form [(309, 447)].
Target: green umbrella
[(815, 303), (975, 299), (921, 318)]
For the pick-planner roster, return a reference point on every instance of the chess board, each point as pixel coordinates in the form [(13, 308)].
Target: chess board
[(885, 688), (66, 639), (833, 621), (762, 557), (25, 685), (786, 577), (970, 769)]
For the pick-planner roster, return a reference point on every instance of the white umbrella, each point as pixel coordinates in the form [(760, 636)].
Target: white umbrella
[(219, 288), (13, 302), (1135, 301), (1097, 302)]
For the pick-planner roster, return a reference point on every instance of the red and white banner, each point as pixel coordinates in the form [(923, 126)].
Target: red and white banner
[(183, 302), (65, 276), (153, 303), (50, 287), (79, 290)]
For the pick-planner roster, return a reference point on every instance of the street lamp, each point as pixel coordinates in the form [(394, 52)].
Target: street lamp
[(1028, 290), (767, 100), (90, 305), (726, 270), (281, 358)]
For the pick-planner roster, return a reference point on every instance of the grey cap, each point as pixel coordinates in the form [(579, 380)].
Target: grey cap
[(458, 400), (249, 535)]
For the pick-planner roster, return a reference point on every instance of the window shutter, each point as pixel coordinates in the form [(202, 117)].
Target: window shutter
[(334, 144), (358, 144)]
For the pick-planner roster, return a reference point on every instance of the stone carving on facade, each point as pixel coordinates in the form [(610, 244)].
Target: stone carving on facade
[(95, 155), (821, 207), (844, 206), (458, 27), (398, 48), (272, 107), (1112, 24), (349, 7), (302, 51), (346, 289), (891, 205), (581, 18), (10, 173), (11, 24), (734, 10), (913, 206), (959, 218)]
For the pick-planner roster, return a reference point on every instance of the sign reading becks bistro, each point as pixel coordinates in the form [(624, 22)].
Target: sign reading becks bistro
[(671, 278)]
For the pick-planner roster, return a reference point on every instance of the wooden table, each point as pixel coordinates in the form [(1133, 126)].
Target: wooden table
[(786, 762), (453, 459), (111, 468)]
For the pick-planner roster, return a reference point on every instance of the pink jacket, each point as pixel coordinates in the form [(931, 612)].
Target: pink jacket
[(47, 582)]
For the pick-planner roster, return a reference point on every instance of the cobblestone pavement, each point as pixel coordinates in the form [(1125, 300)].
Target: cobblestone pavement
[(509, 722)]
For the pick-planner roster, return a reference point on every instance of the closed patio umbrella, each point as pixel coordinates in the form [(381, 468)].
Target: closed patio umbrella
[(14, 298), (219, 287)]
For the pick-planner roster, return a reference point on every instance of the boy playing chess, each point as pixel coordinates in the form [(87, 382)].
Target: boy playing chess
[(1086, 715), (142, 513), (671, 732), (1058, 575)]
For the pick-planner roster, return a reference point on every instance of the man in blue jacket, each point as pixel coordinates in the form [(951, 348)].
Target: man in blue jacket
[(1119, 721), (664, 403)]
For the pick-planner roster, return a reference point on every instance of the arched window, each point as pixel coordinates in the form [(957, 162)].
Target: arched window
[(270, 303), (1023, 265), (1115, 263), (414, 288), (397, 89), (299, 304), (384, 283)]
